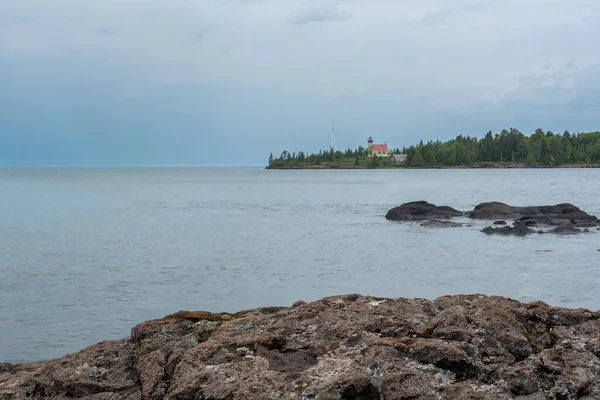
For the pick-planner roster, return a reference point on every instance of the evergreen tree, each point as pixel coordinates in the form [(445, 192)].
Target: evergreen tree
[(417, 159)]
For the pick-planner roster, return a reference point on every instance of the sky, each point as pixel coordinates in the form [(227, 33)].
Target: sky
[(226, 82)]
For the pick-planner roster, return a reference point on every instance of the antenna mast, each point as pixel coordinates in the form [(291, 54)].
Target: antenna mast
[(332, 147)]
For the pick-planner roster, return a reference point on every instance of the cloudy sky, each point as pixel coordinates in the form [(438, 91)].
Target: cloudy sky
[(226, 82)]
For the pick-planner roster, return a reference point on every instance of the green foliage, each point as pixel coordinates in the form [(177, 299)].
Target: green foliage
[(507, 146), (416, 159), (548, 159), (375, 162), (541, 148)]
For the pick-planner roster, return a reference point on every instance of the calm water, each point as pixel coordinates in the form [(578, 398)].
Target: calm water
[(87, 253)]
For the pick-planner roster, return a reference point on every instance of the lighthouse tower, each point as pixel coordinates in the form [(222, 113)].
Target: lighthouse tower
[(370, 145)]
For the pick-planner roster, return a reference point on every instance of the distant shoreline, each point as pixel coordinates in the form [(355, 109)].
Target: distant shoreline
[(476, 166)]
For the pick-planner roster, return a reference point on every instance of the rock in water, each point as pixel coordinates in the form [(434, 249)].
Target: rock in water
[(566, 217), (552, 215), (421, 210), (436, 223), (343, 347), (592, 224), (518, 229), (566, 230)]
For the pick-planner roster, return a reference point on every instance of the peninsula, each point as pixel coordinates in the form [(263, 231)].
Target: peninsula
[(508, 149)]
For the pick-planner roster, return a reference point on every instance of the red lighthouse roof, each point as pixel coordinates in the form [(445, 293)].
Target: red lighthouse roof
[(379, 147)]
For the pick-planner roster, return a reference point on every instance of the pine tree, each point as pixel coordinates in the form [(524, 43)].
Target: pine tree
[(417, 159)]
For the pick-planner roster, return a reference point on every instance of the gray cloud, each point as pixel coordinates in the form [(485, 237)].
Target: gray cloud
[(559, 97), (200, 33), (106, 30), (453, 12), (318, 13), (23, 19), (237, 67)]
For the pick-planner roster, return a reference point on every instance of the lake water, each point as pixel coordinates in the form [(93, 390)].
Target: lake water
[(85, 254)]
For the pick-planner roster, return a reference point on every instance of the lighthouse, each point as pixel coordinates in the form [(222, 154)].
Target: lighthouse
[(377, 150)]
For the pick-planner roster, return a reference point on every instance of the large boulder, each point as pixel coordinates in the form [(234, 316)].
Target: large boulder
[(421, 210), (559, 214), (343, 347)]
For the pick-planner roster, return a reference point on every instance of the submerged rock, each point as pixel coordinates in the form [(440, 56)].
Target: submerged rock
[(499, 222), (436, 223), (343, 347), (566, 230), (421, 210), (518, 229), (592, 224)]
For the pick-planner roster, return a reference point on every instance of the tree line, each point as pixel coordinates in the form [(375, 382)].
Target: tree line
[(510, 145), (507, 146), (357, 156)]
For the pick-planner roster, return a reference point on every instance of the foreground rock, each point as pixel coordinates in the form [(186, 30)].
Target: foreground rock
[(345, 347), (421, 210)]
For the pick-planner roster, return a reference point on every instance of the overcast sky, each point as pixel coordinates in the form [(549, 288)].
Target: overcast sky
[(226, 82)]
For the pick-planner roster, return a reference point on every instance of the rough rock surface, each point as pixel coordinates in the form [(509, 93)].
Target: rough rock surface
[(470, 347), (421, 210)]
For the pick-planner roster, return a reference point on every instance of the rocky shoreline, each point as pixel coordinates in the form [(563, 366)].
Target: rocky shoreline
[(562, 219), (344, 347)]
